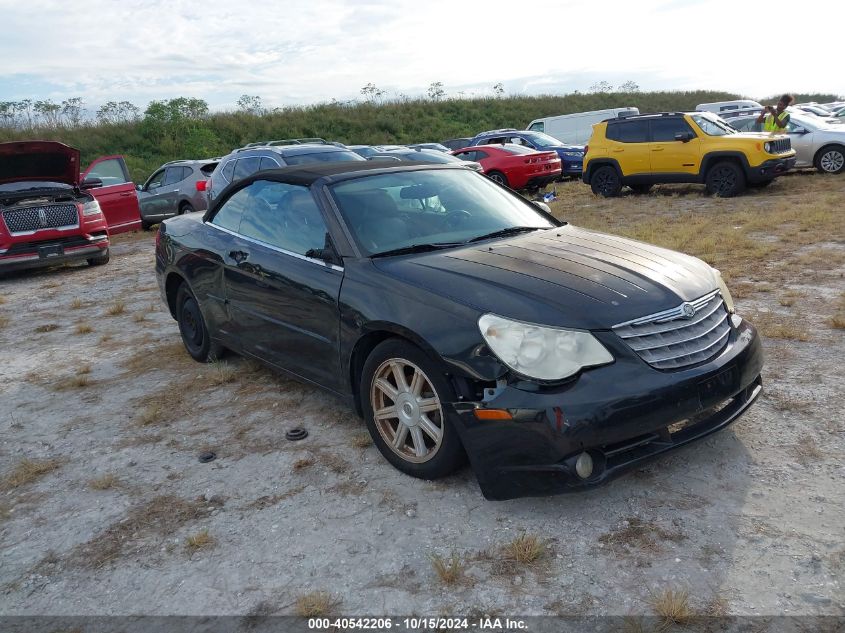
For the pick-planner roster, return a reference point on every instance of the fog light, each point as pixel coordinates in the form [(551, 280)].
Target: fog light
[(584, 465)]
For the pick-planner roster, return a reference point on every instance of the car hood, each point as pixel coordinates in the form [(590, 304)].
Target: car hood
[(39, 161), (566, 276)]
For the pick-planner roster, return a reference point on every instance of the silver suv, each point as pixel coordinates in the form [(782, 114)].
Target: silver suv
[(174, 188), (250, 159)]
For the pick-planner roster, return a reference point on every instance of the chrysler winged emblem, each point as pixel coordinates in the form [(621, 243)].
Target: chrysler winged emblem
[(42, 217), (688, 310)]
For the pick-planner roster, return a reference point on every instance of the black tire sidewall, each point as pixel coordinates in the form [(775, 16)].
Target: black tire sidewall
[(185, 300), (739, 185), (450, 455), (600, 191)]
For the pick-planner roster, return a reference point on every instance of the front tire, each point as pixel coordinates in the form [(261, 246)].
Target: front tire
[(192, 327), (404, 396), (606, 182), (185, 208), (831, 159), (100, 260), (725, 180)]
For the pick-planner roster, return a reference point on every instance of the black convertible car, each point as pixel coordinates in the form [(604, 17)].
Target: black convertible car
[(460, 319)]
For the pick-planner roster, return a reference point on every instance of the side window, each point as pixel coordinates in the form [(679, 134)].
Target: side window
[(245, 167), (229, 215), (110, 171), (479, 155), (538, 127), (228, 170), (629, 132), (665, 129), (186, 172), (466, 155), (172, 175), (267, 163), (155, 180), (284, 216)]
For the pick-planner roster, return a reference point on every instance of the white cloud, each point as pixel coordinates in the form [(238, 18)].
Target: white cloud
[(300, 51)]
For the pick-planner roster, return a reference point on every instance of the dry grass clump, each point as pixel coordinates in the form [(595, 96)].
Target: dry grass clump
[(302, 463), (200, 540), (162, 515), (143, 360), (150, 414), (104, 482), (524, 549), (362, 440), (450, 570), (4, 321), (117, 308), (28, 471), (636, 534), (83, 369), (777, 327), (221, 373), (808, 451), (139, 317), (673, 608), (47, 327), (83, 328), (78, 381), (315, 604), (76, 304), (837, 321)]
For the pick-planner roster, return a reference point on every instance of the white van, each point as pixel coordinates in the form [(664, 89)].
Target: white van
[(576, 128), (730, 107)]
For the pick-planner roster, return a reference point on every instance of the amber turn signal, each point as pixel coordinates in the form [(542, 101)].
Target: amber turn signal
[(493, 414)]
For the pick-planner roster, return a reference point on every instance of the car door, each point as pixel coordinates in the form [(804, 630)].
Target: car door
[(149, 199), (803, 142), (284, 302), (672, 156), (168, 194), (627, 144), (117, 196)]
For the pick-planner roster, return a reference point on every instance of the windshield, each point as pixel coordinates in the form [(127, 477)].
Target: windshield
[(441, 207), (322, 157), (543, 140), (24, 185), (712, 125)]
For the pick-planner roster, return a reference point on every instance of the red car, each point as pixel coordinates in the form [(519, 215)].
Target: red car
[(49, 215), (514, 166)]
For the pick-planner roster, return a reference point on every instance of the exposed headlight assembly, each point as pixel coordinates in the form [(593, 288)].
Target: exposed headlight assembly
[(768, 147), (540, 352), (726, 294), (92, 207)]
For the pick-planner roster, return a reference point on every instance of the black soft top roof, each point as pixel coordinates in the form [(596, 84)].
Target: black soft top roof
[(308, 174)]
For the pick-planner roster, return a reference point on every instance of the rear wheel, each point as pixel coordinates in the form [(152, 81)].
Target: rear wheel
[(606, 182), (100, 260), (499, 177), (185, 207), (640, 189), (831, 159), (192, 327), (403, 394), (725, 180)]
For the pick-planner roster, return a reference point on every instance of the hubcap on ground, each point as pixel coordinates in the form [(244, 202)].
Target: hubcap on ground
[(407, 410), (832, 161)]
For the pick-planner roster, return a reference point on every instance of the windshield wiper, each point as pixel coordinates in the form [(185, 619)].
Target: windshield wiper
[(511, 230), (417, 248)]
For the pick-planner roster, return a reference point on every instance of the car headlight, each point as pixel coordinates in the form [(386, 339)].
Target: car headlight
[(726, 294), (91, 208), (544, 353), (768, 147)]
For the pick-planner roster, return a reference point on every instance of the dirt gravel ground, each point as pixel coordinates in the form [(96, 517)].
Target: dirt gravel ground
[(106, 509)]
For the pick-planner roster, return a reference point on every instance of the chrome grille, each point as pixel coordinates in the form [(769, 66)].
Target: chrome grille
[(780, 145), (29, 219), (671, 340)]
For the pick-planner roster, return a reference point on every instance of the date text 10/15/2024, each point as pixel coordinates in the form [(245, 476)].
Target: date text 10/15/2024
[(417, 624)]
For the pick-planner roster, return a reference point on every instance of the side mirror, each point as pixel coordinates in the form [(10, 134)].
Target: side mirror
[(801, 130), (92, 182), (139, 187), (684, 137), (327, 253)]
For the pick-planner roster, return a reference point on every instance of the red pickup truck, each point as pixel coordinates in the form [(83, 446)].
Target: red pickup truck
[(52, 213)]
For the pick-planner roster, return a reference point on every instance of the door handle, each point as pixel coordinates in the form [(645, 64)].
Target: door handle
[(618, 149), (657, 149), (239, 256)]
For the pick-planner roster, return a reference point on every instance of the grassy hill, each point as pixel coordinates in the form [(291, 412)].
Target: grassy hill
[(169, 131)]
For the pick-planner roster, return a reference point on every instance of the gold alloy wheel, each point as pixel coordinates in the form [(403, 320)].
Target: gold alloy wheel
[(406, 410)]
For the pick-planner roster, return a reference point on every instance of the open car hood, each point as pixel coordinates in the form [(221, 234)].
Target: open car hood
[(39, 161)]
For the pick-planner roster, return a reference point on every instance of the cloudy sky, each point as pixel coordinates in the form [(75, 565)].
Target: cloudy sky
[(306, 51)]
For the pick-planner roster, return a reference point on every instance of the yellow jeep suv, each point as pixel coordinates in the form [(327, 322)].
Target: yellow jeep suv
[(699, 147)]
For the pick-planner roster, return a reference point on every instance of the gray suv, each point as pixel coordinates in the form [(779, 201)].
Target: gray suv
[(175, 188), (250, 159)]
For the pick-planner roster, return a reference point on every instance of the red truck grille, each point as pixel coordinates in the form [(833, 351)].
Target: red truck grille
[(30, 219)]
